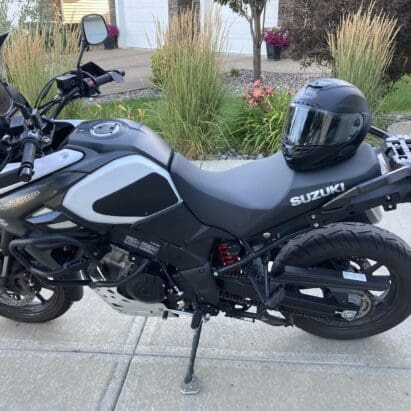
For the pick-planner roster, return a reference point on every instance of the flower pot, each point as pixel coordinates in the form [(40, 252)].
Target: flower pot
[(273, 52), (110, 43)]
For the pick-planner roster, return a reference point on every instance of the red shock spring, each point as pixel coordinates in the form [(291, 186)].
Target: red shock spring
[(225, 255)]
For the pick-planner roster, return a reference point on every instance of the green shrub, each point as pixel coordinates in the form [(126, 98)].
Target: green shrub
[(193, 93), (362, 50), (33, 56), (399, 97), (159, 67), (262, 119)]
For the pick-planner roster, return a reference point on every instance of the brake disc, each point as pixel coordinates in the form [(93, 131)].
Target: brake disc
[(23, 293), (16, 300)]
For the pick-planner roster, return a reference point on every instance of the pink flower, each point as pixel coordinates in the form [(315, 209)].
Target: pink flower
[(257, 93)]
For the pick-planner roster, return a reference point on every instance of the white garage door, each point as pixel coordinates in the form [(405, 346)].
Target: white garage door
[(136, 20), (239, 35)]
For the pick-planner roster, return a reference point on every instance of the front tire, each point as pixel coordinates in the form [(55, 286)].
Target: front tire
[(40, 310), (347, 242)]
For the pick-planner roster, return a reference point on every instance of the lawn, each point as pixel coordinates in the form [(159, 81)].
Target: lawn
[(399, 98)]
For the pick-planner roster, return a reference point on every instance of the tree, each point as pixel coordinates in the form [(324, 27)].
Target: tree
[(308, 22), (254, 12)]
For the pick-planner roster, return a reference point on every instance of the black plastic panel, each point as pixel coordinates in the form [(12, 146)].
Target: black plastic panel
[(142, 198)]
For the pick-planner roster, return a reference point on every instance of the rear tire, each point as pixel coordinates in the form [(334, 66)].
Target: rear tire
[(354, 240)]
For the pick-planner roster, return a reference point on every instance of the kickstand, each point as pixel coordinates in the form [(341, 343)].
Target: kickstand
[(190, 384)]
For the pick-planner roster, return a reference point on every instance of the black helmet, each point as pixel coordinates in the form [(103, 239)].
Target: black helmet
[(326, 122)]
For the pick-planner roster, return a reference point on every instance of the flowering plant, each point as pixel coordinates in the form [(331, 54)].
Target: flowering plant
[(258, 95), (278, 37), (113, 31), (262, 118)]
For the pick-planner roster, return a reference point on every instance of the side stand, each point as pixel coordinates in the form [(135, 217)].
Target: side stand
[(190, 384)]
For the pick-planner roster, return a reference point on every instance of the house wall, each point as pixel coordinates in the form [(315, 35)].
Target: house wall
[(74, 10)]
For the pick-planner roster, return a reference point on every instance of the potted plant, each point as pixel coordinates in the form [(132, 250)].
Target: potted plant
[(111, 41), (275, 39)]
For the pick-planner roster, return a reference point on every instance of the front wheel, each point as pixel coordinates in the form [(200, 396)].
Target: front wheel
[(22, 299), (358, 248)]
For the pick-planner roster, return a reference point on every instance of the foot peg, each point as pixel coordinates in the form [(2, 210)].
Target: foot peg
[(190, 384)]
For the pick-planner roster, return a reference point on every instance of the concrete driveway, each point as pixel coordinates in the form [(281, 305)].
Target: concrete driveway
[(136, 62), (93, 358)]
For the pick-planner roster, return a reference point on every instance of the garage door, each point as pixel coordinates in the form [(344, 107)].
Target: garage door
[(136, 20), (239, 36)]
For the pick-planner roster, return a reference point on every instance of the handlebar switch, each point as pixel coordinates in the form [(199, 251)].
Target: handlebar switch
[(66, 82)]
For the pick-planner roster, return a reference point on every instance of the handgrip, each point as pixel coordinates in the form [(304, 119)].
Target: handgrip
[(115, 75), (104, 79), (27, 163)]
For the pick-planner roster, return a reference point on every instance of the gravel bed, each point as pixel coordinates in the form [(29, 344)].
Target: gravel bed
[(289, 82), (149, 92), (236, 85)]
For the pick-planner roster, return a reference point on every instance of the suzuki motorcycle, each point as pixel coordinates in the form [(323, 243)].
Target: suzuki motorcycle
[(109, 205)]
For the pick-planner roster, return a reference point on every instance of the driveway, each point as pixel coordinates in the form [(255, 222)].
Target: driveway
[(93, 358), (136, 62)]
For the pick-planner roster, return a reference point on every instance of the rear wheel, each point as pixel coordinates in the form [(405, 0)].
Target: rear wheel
[(357, 248), (23, 299)]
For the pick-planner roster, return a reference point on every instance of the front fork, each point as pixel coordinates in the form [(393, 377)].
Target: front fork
[(6, 238)]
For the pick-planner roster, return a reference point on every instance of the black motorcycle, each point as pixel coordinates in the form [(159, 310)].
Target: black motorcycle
[(109, 205)]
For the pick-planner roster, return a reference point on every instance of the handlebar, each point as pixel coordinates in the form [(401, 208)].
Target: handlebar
[(108, 77), (27, 163)]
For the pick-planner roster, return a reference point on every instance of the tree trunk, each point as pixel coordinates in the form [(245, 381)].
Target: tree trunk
[(257, 34), (257, 60)]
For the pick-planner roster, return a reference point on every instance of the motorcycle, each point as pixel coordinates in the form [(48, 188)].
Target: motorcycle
[(109, 205)]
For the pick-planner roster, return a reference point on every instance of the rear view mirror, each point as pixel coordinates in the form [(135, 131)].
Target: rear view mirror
[(94, 29), (6, 102)]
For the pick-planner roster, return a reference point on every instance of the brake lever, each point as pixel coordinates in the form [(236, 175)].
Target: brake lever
[(117, 77)]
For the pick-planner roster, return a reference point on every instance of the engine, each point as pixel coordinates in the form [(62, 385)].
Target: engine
[(148, 286)]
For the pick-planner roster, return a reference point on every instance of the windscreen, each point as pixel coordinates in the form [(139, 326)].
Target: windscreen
[(307, 126)]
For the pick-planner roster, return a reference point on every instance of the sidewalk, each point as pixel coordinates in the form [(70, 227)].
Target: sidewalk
[(137, 62), (93, 358)]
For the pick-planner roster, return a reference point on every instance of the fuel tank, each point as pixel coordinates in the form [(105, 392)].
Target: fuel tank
[(103, 136), (133, 186)]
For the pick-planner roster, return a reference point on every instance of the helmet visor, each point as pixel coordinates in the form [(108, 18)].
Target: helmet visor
[(307, 126)]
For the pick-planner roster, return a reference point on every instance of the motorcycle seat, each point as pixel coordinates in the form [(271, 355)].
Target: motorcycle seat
[(256, 196)]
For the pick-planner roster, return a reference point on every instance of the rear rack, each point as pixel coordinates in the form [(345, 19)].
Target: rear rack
[(398, 151)]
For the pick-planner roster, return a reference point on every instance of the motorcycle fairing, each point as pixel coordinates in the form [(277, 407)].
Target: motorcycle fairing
[(256, 196)]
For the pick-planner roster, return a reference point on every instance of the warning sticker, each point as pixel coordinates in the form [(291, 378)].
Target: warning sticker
[(348, 275), (148, 247)]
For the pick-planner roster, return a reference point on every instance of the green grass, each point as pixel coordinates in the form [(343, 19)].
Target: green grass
[(138, 110), (399, 98)]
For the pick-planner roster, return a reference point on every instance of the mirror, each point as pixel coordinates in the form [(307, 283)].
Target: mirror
[(3, 38), (94, 29), (6, 102)]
